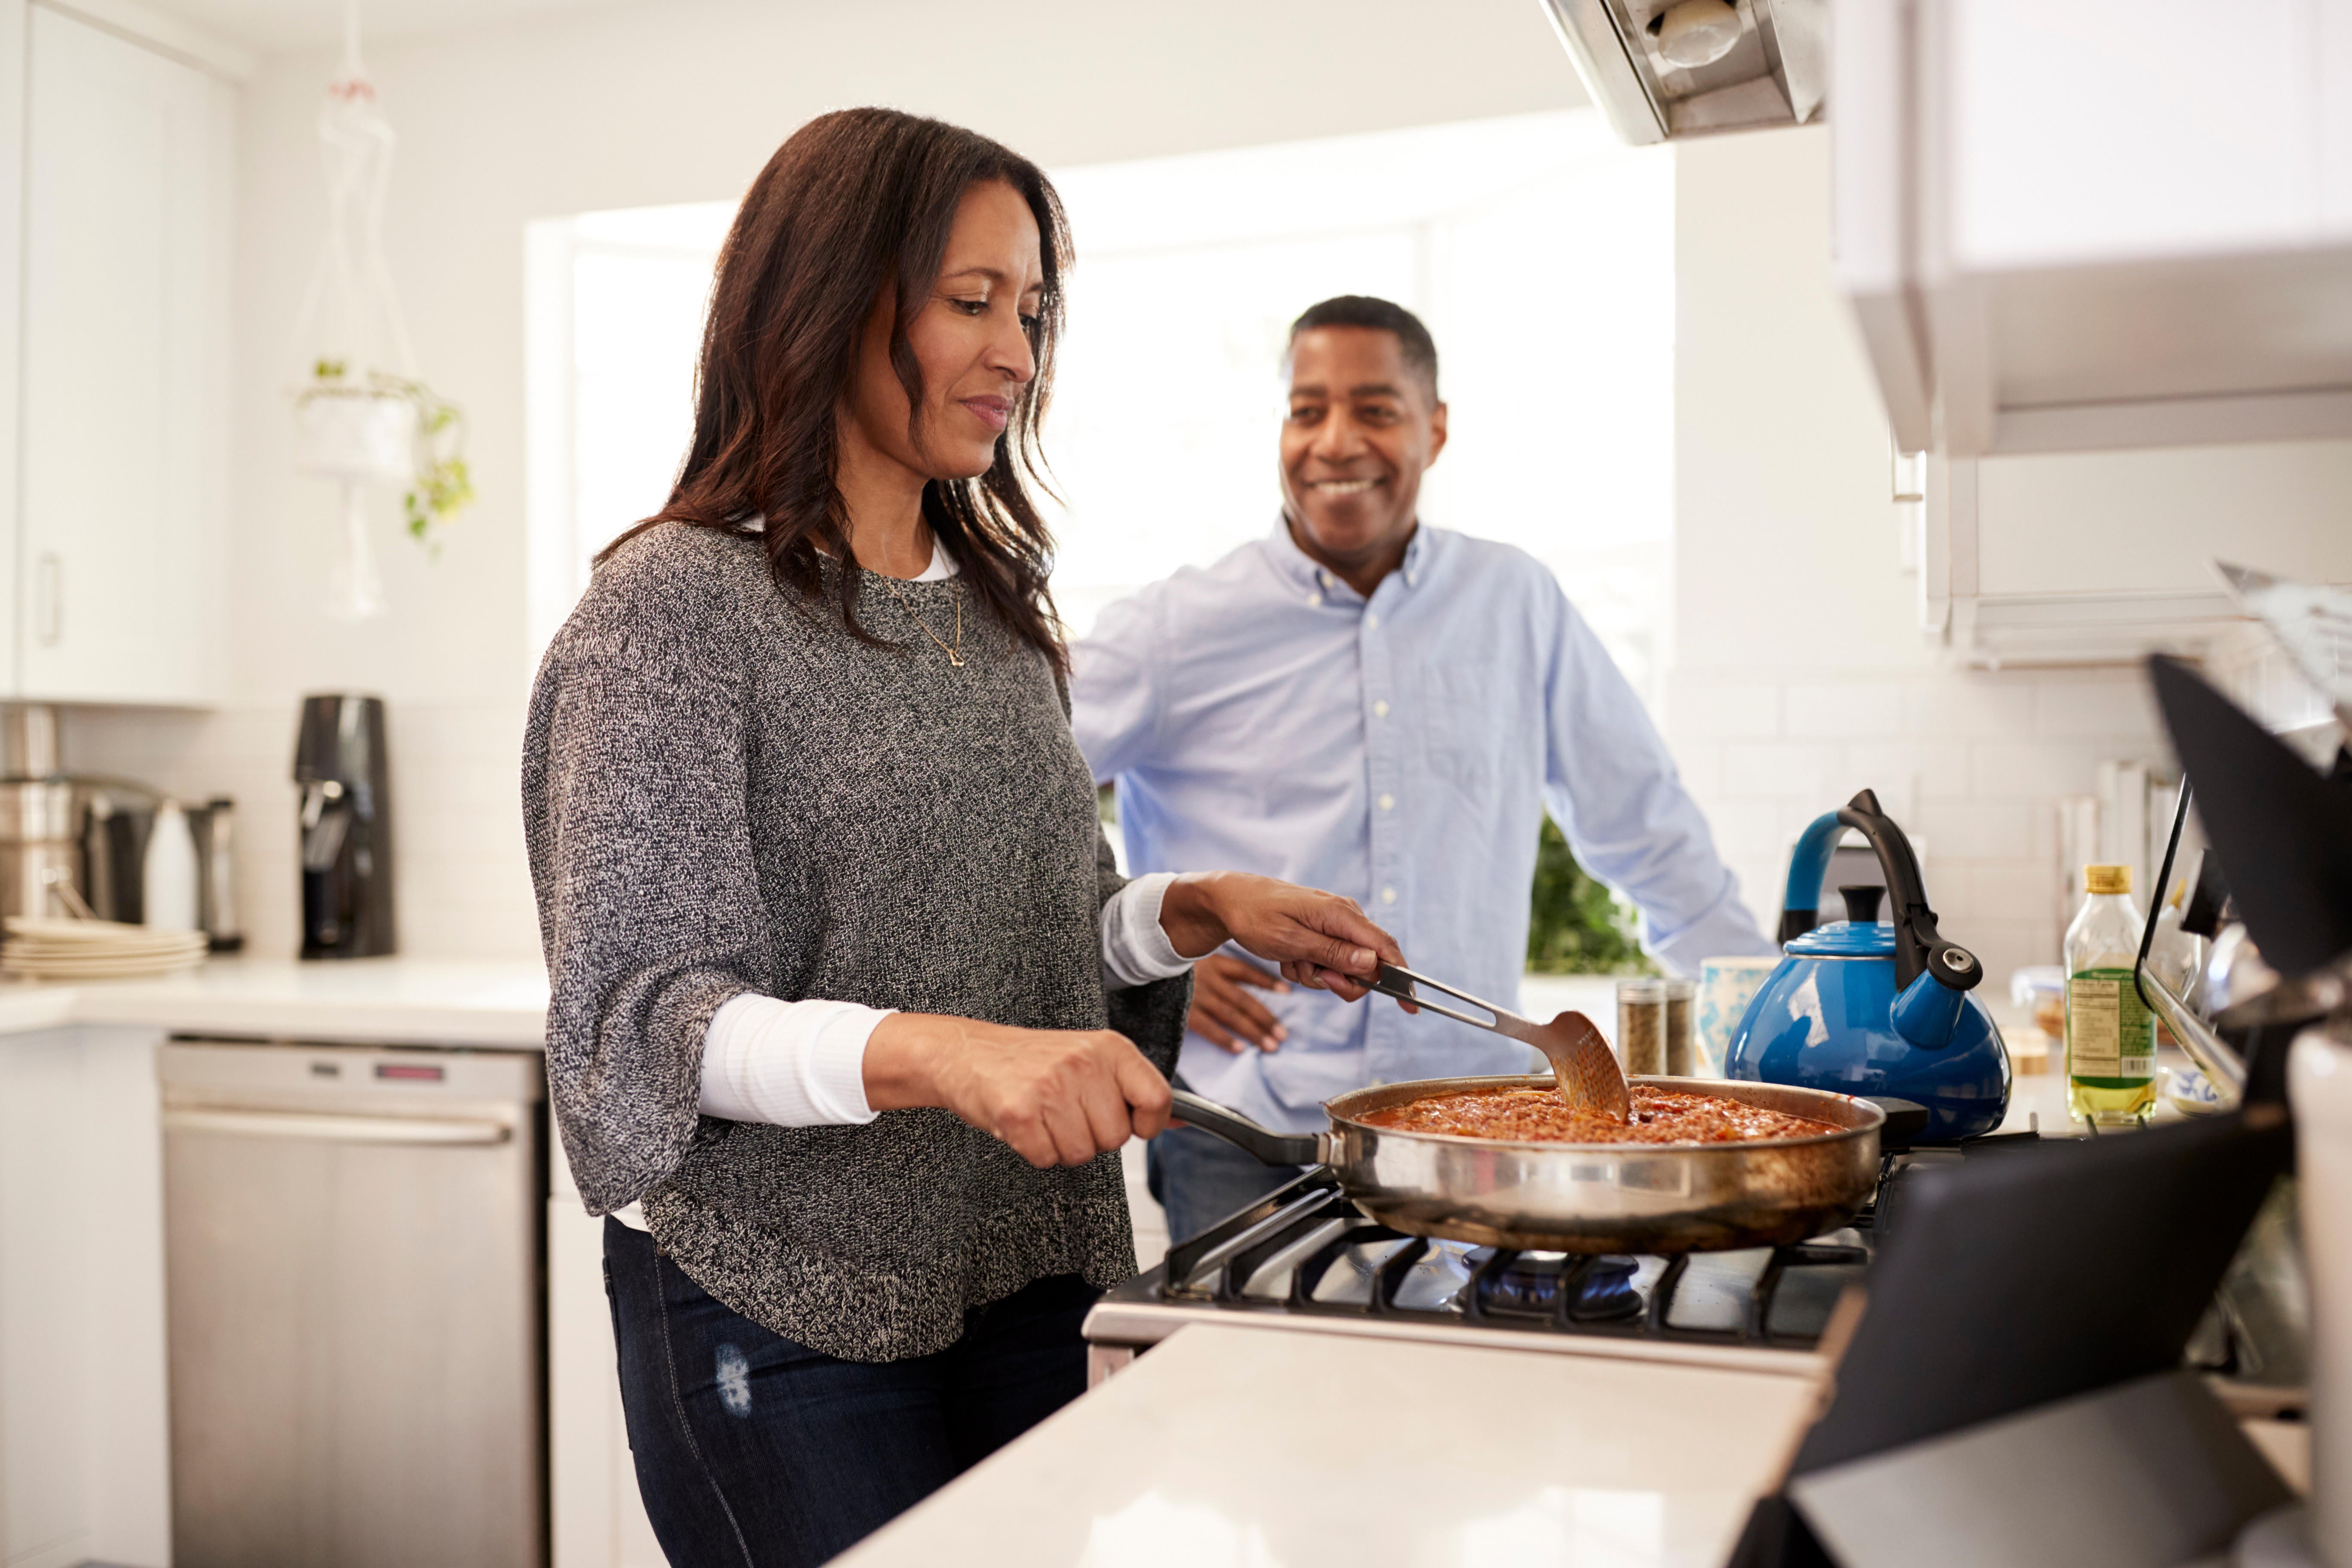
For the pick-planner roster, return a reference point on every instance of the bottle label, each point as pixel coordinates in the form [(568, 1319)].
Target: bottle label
[(2110, 1033)]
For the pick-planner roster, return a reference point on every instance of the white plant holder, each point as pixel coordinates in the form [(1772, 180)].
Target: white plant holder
[(369, 438), (348, 428), (354, 587)]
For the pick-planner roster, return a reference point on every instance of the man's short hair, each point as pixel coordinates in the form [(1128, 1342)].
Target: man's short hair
[(1414, 342)]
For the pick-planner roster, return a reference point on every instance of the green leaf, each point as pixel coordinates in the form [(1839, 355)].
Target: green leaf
[(1576, 924)]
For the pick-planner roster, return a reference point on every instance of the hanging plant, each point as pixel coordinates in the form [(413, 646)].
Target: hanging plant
[(366, 419), (393, 429)]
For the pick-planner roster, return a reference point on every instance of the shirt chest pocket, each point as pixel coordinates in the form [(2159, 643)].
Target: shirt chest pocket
[(1462, 723)]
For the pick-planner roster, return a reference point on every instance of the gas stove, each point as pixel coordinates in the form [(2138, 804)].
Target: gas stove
[(1306, 1260)]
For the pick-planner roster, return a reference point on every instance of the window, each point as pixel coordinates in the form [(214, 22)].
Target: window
[(1539, 251)]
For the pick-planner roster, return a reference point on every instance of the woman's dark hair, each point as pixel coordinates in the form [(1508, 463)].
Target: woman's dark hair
[(855, 202)]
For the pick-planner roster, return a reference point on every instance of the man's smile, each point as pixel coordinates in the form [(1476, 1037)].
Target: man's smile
[(1343, 486)]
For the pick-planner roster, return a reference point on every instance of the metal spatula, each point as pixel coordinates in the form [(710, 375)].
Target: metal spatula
[(1582, 1064)]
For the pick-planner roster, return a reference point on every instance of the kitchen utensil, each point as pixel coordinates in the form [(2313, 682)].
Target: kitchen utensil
[(217, 907), (169, 884), (1864, 1008), (116, 818), (1583, 1197), (29, 737), (1583, 1067), (36, 845)]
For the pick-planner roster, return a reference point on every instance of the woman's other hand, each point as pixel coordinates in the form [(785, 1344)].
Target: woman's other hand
[(1224, 1012), (1055, 1097), (1318, 938)]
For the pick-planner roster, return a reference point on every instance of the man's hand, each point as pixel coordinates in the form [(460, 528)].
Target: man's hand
[(1319, 938), (1225, 1014), (1056, 1097)]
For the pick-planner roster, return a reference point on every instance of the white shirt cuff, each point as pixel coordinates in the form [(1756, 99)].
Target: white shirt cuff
[(1135, 948), (789, 1064)]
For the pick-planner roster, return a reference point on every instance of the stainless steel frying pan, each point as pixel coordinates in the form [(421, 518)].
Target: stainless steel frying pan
[(1583, 1197)]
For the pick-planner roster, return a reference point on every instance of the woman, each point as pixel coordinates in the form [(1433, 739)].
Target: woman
[(834, 940)]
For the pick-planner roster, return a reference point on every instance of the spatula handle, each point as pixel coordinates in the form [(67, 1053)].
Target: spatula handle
[(1400, 983)]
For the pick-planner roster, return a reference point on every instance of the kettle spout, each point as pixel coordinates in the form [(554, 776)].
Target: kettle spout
[(1927, 1011)]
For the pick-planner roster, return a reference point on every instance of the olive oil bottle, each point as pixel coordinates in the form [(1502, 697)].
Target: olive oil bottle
[(2110, 1033)]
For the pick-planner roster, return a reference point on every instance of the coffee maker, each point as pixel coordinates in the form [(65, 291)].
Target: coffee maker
[(345, 827)]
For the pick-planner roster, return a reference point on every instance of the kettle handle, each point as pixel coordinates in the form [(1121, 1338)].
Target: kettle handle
[(1917, 941)]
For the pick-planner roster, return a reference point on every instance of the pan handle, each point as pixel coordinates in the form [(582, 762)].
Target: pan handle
[(1266, 1145)]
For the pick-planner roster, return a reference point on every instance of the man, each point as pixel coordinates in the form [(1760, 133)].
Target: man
[(1364, 704)]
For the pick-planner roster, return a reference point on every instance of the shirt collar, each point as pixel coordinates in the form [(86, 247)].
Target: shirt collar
[(1311, 576)]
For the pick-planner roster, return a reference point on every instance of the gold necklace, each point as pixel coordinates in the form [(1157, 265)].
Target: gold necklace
[(955, 592)]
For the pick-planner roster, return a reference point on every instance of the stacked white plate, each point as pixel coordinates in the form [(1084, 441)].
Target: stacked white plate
[(40, 949)]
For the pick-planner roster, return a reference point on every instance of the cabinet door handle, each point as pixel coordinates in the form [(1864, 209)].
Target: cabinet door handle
[(331, 1127), (50, 617)]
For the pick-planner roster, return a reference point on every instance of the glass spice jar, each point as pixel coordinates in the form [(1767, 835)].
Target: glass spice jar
[(1682, 1053), (1642, 1026)]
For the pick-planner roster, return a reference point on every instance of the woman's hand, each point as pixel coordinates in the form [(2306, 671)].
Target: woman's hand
[(1056, 1097), (1224, 1012), (1319, 938)]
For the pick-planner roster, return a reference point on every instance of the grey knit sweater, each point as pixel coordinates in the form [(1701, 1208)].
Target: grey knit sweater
[(724, 792)]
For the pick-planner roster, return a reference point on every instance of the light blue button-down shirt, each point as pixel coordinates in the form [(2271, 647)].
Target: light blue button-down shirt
[(1261, 715)]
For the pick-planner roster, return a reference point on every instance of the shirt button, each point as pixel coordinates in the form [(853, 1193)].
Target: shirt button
[(1371, 622), (1388, 803), (1380, 709), (1388, 895), (1316, 599)]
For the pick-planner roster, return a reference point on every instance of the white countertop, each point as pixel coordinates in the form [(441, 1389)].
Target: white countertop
[(399, 1000), (1233, 1447)]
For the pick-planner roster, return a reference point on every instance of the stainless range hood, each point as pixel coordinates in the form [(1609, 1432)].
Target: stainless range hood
[(1665, 69)]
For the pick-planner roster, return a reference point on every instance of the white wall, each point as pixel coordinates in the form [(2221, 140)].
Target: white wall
[(1801, 675), (593, 109)]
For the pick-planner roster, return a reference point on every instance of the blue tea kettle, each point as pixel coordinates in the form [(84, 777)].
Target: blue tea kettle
[(1859, 1007)]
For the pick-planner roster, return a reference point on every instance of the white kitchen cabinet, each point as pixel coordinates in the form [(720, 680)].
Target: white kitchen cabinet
[(595, 1517), (121, 548), (2101, 557), (85, 1461), (2104, 224)]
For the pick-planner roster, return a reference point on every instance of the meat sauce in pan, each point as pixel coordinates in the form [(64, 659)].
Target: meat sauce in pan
[(1540, 1116)]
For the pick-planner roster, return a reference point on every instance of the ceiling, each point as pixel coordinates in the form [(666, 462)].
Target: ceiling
[(284, 27)]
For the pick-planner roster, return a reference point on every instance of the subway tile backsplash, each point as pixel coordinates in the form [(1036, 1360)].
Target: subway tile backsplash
[(1971, 764), (462, 887)]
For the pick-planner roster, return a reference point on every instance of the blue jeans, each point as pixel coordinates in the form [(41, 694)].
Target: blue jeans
[(752, 1450), (1200, 1179)]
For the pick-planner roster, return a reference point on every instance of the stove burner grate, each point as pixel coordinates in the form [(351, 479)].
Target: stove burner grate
[(1307, 1248)]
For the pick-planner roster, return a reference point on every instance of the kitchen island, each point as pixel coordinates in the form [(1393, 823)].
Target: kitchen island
[(1238, 1447), (1226, 1443)]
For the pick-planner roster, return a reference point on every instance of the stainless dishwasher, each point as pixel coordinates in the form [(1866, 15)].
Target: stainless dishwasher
[(352, 1258)]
